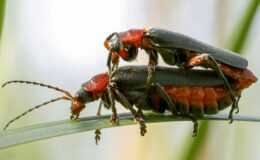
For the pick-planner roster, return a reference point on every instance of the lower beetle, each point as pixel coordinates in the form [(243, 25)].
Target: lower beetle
[(175, 49), (188, 94)]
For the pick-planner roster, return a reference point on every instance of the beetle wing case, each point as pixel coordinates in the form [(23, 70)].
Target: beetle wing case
[(161, 38), (134, 77)]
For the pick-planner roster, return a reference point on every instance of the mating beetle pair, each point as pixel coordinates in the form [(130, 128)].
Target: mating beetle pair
[(185, 93), (175, 49)]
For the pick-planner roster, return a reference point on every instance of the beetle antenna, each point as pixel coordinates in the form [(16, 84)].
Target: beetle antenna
[(40, 84), (38, 106)]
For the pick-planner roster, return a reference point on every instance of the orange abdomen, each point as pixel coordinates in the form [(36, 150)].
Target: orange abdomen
[(196, 100)]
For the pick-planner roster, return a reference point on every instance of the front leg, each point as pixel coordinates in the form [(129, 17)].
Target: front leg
[(114, 117), (112, 58), (138, 118), (109, 59)]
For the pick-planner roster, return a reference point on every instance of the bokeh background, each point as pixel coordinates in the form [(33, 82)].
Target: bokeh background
[(60, 42)]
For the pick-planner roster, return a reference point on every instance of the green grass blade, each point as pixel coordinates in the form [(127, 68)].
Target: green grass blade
[(2, 12), (240, 32), (59, 128)]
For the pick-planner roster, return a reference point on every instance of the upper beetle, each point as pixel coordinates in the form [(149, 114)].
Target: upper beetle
[(175, 49)]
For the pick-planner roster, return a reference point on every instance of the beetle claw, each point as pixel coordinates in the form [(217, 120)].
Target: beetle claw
[(140, 121), (230, 117), (237, 110), (74, 117), (114, 119), (195, 128), (97, 137)]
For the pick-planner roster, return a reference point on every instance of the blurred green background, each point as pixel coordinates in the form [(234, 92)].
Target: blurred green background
[(60, 42)]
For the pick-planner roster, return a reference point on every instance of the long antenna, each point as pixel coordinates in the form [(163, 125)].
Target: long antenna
[(68, 97), (39, 84), (38, 106)]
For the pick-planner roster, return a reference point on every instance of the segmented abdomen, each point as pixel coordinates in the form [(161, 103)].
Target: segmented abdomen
[(195, 100)]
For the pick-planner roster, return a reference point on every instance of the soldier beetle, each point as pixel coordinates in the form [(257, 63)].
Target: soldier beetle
[(175, 49), (188, 94)]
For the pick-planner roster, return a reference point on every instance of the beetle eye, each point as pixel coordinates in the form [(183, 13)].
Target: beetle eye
[(84, 96), (133, 51), (114, 44)]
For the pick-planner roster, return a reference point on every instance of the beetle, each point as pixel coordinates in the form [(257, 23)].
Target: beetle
[(189, 94), (175, 49)]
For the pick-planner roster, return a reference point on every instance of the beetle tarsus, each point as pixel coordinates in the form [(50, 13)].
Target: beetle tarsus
[(195, 123), (114, 119), (97, 136), (238, 98), (195, 128), (74, 117), (233, 108), (230, 117), (98, 132), (141, 120), (142, 125), (237, 110), (137, 117)]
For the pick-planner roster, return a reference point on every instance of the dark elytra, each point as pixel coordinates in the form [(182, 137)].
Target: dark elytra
[(134, 77), (161, 38)]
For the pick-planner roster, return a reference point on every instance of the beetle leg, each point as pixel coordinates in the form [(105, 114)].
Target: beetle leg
[(140, 112), (109, 58), (153, 61), (99, 108), (139, 119), (115, 60), (173, 108), (97, 132), (167, 98), (97, 136), (238, 98), (139, 104), (197, 60), (234, 106), (114, 117), (195, 123)]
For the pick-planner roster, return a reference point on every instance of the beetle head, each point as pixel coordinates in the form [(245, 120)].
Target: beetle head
[(78, 102), (89, 92), (114, 43)]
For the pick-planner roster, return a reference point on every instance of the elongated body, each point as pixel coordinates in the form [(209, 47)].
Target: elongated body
[(194, 91), (188, 94), (175, 49)]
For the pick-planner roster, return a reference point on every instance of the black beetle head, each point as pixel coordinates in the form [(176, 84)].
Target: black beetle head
[(115, 44), (78, 103)]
